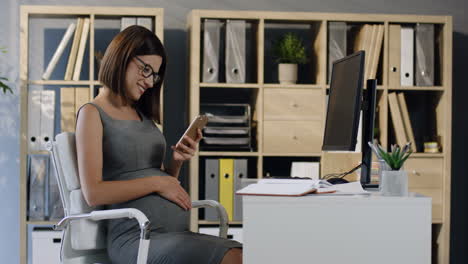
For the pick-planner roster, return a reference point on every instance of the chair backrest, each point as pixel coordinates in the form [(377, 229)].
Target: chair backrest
[(82, 237)]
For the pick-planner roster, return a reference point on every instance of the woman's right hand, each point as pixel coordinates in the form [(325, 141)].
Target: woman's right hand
[(169, 187)]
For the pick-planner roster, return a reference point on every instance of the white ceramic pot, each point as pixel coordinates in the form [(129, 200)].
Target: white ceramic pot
[(287, 73), (394, 183)]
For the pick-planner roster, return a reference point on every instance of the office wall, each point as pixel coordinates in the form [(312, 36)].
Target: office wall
[(175, 94)]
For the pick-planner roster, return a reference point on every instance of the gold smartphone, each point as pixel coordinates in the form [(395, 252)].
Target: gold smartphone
[(198, 123)]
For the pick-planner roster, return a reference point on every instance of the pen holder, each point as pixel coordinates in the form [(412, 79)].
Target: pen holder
[(393, 183)]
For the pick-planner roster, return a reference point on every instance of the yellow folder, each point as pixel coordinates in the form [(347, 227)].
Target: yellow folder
[(226, 185)]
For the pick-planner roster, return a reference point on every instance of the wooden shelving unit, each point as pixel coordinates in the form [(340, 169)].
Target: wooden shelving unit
[(429, 174), (64, 15)]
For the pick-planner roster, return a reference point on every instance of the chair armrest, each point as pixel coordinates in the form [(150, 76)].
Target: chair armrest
[(114, 214), (223, 217), (110, 214)]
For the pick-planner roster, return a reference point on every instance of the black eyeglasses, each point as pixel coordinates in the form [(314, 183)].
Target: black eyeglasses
[(147, 71)]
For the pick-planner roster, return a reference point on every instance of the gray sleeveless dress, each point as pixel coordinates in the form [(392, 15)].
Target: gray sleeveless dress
[(135, 149)]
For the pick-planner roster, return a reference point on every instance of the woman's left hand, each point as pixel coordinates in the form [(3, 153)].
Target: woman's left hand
[(185, 149)]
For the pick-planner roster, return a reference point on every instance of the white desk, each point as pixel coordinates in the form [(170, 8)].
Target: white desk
[(337, 229)]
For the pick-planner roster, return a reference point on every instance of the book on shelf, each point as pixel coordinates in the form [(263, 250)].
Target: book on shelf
[(370, 39), (59, 51), (81, 50), (74, 50), (397, 119), (376, 51), (406, 120)]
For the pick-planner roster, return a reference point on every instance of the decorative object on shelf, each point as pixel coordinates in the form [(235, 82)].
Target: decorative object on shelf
[(4, 86), (431, 147), (393, 180), (290, 52)]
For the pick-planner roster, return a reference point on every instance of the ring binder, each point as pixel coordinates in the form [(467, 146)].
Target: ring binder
[(211, 46), (235, 51)]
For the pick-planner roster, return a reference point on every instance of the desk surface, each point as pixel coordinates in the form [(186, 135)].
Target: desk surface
[(337, 229)]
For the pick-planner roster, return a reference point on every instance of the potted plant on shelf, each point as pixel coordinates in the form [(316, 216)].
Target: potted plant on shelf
[(393, 180), (289, 52), (4, 87)]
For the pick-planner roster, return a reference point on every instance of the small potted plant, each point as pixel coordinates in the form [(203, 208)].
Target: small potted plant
[(289, 52), (394, 180), (3, 86)]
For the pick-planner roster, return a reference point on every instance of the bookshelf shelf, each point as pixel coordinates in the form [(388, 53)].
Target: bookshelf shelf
[(227, 153), (229, 85), (292, 154), (427, 155), (42, 222), (278, 123), (417, 88), (295, 86), (45, 26), (204, 222), (63, 82)]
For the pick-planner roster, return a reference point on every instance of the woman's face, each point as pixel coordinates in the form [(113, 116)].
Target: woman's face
[(142, 71)]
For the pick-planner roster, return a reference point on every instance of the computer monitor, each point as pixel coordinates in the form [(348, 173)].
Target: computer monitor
[(345, 102)]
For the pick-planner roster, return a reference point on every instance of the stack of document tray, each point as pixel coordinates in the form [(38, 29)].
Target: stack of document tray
[(228, 127)]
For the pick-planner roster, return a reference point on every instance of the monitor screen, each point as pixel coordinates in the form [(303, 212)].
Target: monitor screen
[(344, 103)]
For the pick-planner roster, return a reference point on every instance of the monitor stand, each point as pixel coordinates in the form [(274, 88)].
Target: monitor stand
[(368, 118)]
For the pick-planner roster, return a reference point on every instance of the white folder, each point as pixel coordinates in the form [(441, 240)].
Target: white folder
[(127, 21), (235, 51), (211, 48), (336, 43), (407, 56), (424, 66), (146, 22), (54, 203), (47, 117), (34, 118), (37, 174), (305, 169)]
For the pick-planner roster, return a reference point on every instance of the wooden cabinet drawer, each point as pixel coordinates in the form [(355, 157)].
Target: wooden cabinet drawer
[(292, 104), (425, 176), (437, 205), (292, 136), (424, 172)]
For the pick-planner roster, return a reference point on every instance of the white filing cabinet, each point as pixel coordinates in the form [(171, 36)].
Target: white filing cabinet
[(337, 229), (46, 247), (234, 233)]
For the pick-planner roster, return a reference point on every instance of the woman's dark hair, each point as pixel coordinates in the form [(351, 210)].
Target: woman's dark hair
[(131, 42)]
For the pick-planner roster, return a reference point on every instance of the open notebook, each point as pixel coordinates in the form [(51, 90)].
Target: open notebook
[(293, 187)]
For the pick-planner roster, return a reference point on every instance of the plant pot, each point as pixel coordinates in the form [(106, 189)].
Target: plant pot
[(287, 73), (394, 183)]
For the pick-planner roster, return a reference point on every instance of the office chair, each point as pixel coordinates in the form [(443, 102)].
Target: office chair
[(84, 240)]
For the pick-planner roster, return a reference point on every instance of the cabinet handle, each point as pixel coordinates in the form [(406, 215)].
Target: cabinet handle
[(295, 105)]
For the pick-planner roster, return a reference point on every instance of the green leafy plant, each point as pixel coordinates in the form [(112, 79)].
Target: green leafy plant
[(397, 157), (4, 87), (289, 49)]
